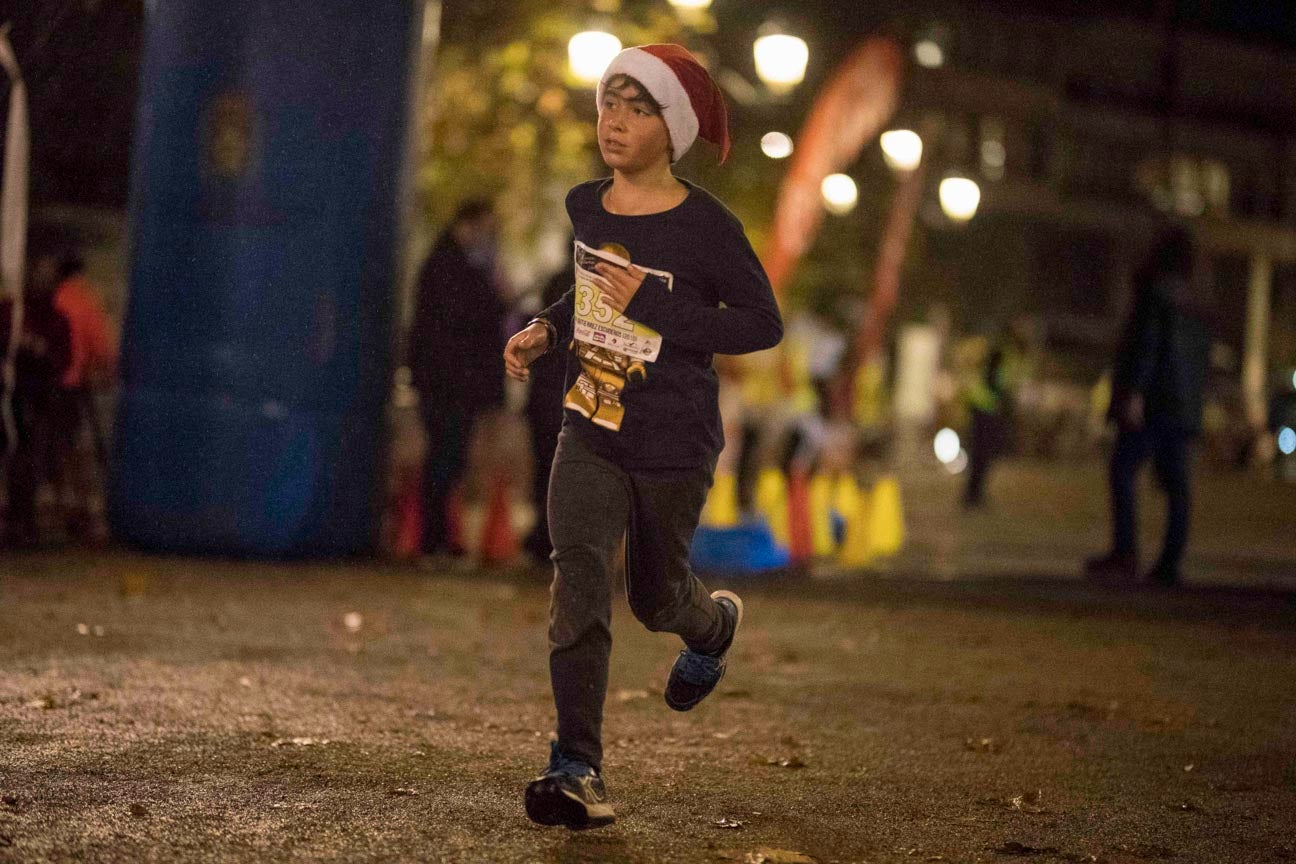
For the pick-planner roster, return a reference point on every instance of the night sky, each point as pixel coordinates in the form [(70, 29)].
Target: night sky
[(81, 61)]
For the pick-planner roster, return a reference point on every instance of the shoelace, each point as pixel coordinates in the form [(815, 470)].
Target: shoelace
[(697, 668)]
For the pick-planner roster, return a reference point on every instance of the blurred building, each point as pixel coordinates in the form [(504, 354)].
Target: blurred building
[(1081, 124)]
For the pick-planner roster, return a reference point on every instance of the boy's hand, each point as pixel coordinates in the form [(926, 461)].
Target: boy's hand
[(619, 284), (523, 349)]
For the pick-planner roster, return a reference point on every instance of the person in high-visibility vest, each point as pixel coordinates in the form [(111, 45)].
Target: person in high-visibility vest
[(991, 399)]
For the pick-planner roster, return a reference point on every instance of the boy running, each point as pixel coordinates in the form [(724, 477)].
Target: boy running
[(664, 278)]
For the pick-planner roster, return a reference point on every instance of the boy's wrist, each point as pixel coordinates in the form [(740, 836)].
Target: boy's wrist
[(550, 330)]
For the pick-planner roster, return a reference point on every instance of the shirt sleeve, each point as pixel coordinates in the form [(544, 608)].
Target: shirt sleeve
[(749, 318), (560, 316)]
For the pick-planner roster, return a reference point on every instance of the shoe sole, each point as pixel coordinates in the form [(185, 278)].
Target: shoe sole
[(547, 803), (689, 706)]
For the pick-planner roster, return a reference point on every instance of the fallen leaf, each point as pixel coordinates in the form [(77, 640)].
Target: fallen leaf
[(404, 791), (624, 696), (98, 630), (245, 681), (83, 629), (1028, 803), (299, 742), (1189, 768), (981, 745), (778, 856), (353, 621), (139, 811), (726, 822)]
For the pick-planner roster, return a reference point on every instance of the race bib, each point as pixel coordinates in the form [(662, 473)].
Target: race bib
[(597, 323)]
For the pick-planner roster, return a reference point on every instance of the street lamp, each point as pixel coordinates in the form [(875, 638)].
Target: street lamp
[(929, 53), (776, 145), (589, 53), (781, 61), (959, 198), (839, 194), (902, 149)]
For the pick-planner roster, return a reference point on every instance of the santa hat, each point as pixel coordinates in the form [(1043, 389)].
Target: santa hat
[(692, 104)]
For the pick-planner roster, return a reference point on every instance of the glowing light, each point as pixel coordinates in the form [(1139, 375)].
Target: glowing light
[(902, 149), (691, 4), (776, 145), (1287, 440), (947, 445), (589, 53), (929, 54), (839, 194), (781, 61), (959, 198)]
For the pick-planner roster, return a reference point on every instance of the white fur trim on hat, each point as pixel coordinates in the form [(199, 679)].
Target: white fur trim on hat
[(654, 74)]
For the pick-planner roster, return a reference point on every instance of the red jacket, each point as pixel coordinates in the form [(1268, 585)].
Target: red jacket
[(94, 345)]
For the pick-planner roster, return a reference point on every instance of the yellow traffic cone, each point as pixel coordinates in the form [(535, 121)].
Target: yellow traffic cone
[(886, 517), (821, 531), (772, 503), (721, 510), (853, 507)]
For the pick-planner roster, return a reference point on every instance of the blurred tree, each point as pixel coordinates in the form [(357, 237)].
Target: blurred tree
[(504, 118)]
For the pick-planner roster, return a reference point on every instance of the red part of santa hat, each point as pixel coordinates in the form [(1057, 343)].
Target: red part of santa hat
[(692, 104)]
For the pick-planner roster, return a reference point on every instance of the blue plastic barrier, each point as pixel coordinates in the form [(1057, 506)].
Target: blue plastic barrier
[(267, 173)]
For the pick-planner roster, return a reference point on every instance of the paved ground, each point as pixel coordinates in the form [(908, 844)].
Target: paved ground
[(172, 710), (1043, 519)]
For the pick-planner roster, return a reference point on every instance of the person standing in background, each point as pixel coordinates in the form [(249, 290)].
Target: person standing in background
[(92, 365), (43, 356), (1157, 383), (456, 346), (992, 399)]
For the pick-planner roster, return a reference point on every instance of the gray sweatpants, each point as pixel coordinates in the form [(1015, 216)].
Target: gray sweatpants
[(593, 503)]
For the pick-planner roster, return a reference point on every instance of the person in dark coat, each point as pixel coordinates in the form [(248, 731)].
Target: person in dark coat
[(544, 413), (1157, 383), (456, 346), (44, 352)]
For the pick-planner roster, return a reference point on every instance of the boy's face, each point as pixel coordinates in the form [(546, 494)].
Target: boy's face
[(632, 136)]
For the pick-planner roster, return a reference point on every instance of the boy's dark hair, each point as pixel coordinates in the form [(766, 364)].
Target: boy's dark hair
[(622, 82)]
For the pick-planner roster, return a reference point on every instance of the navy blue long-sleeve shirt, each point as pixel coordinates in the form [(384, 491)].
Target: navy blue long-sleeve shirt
[(709, 295)]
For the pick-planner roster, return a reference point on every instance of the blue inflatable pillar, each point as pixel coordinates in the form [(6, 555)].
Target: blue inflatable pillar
[(267, 182)]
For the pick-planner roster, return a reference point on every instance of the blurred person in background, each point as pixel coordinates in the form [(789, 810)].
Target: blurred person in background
[(80, 451), (991, 398), (456, 347), (1157, 382), (43, 355)]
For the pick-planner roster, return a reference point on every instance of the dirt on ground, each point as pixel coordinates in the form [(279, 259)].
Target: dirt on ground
[(163, 709)]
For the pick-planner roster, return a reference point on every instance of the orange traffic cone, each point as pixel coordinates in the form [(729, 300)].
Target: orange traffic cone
[(800, 537), (499, 544), (409, 517)]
